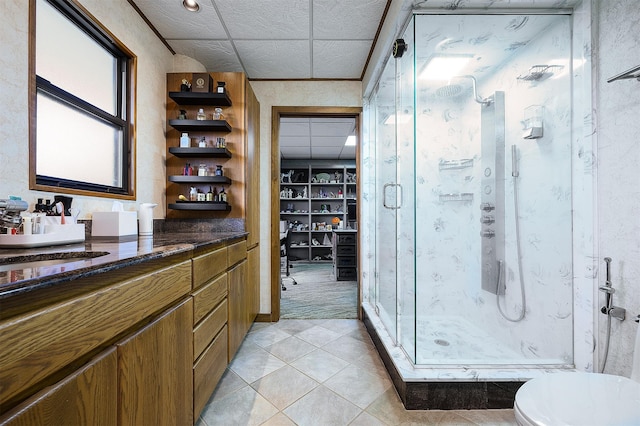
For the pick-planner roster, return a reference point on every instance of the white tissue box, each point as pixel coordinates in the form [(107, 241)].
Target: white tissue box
[(114, 224)]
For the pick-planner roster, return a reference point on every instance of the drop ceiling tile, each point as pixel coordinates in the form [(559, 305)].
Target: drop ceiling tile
[(324, 141), (294, 141), (265, 19), (323, 153), (295, 129), (339, 59), (174, 21), (275, 58), (348, 153), (334, 19), (216, 56), (297, 153), (332, 129)]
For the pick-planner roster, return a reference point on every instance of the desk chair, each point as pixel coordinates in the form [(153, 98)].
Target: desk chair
[(285, 244)]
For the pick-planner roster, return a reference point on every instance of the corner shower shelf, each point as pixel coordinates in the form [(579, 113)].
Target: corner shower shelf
[(464, 196), (538, 72), (455, 164), (628, 74)]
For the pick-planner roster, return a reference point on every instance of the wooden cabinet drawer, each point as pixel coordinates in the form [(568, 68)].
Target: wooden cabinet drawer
[(208, 328), (208, 266), (89, 396), (40, 343), (236, 252), (208, 371), (208, 297)]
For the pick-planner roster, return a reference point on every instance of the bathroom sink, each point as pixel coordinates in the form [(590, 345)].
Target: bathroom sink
[(47, 259)]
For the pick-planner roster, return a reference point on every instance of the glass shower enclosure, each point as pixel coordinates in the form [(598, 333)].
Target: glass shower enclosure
[(471, 191)]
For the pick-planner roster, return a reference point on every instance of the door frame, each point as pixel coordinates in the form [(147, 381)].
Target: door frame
[(277, 112)]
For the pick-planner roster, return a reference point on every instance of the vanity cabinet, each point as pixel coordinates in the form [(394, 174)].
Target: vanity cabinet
[(146, 346), (154, 371), (88, 396)]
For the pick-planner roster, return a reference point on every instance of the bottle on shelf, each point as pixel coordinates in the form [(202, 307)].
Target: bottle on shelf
[(185, 140), (222, 196), (202, 170), (193, 194), (201, 115), (219, 170), (202, 143), (210, 194)]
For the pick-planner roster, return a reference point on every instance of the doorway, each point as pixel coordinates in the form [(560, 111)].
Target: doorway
[(318, 114)]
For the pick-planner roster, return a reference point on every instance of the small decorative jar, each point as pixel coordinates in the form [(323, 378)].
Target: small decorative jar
[(219, 170), (202, 170)]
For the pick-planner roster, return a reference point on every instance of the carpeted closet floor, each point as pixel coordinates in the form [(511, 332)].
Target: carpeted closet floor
[(317, 295)]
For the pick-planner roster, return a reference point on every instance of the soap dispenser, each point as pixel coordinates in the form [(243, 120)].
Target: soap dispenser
[(145, 218)]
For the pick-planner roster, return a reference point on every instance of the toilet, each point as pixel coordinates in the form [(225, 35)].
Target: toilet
[(581, 399)]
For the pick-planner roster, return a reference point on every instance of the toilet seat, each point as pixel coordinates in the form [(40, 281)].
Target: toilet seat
[(580, 399)]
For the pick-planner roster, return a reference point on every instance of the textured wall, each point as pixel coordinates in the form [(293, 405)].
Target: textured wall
[(289, 93), (618, 157), (154, 61)]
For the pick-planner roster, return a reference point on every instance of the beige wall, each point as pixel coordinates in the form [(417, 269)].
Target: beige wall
[(288, 93), (154, 62)]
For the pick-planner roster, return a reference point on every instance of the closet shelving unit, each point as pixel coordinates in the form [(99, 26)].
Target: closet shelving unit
[(314, 203)]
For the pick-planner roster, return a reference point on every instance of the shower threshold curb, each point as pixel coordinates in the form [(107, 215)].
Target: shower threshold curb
[(441, 394)]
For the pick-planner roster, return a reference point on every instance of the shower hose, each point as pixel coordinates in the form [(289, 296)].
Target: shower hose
[(519, 250), (606, 344)]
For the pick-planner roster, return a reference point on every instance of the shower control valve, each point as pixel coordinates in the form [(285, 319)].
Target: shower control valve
[(488, 234), (487, 219), (487, 207)]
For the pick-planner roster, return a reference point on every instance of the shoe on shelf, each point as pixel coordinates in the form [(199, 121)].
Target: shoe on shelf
[(317, 258), (315, 242), (302, 243)]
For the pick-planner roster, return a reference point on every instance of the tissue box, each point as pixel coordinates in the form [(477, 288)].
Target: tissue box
[(283, 226), (114, 224)]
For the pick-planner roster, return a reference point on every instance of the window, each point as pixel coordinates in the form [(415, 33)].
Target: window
[(81, 122)]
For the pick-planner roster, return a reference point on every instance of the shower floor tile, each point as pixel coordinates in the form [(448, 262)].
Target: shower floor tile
[(447, 338)]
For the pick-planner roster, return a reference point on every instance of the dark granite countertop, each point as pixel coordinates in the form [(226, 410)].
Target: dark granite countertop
[(26, 278)]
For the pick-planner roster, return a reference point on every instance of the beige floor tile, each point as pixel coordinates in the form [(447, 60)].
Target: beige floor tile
[(342, 326), (243, 407), (350, 349), (322, 407), (255, 365), (293, 326), (290, 349), (267, 336), (358, 386), (230, 382), (284, 386), (319, 365), (490, 417), (366, 419), (279, 420), (318, 336)]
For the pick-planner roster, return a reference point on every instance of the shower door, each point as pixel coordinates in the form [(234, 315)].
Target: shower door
[(395, 162), (386, 202)]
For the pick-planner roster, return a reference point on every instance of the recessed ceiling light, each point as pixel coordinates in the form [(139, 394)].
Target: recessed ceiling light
[(191, 5)]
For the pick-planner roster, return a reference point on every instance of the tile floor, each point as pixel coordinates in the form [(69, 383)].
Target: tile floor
[(318, 372)]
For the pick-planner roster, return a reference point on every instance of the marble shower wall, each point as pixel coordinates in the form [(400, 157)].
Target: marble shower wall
[(447, 232)]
